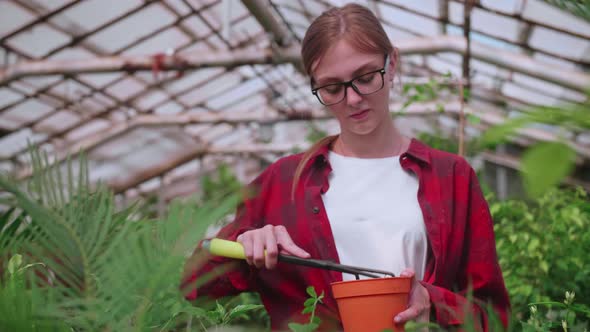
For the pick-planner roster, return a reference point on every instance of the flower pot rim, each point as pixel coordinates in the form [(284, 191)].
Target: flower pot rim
[(350, 282), (371, 287)]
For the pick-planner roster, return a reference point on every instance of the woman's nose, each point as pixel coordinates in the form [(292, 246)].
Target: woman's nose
[(352, 97)]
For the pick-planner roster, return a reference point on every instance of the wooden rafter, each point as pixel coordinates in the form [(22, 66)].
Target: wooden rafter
[(261, 11), (190, 154), (181, 62), (429, 45), (488, 118), (129, 102)]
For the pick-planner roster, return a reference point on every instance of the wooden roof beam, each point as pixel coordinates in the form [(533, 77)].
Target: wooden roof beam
[(524, 64), (261, 11)]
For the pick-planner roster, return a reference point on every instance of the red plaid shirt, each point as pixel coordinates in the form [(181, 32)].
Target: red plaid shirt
[(461, 254)]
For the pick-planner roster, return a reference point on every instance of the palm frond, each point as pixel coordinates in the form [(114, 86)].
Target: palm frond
[(105, 270)]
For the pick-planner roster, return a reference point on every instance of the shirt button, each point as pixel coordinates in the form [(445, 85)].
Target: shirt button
[(316, 210)]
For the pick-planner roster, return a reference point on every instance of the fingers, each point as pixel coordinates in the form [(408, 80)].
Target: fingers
[(418, 302), (258, 243), (407, 272), (246, 242), (408, 314), (261, 246), (419, 312), (287, 244), (272, 252)]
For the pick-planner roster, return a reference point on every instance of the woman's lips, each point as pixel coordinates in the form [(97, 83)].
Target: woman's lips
[(360, 115)]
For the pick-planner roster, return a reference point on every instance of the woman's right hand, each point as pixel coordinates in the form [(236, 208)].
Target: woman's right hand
[(273, 239)]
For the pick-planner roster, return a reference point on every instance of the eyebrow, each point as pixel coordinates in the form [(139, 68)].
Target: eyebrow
[(361, 70)]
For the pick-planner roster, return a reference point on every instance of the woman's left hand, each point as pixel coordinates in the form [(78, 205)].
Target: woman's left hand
[(418, 304)]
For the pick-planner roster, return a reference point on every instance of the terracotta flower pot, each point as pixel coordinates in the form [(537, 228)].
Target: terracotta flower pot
[(369, 305)]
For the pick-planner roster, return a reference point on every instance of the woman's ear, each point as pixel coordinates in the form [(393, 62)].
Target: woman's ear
[(393, 61)]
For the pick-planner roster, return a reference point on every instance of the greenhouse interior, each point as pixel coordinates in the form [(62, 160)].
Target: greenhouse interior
[(129, 129)]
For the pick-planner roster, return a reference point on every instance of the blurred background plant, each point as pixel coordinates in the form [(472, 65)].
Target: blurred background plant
[(542, 246), (545, 164), (71, 261)]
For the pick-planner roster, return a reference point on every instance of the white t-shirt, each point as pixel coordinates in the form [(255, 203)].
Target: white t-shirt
[(374, 214)]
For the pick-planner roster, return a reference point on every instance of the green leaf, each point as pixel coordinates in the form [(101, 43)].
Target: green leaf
[(308, 310), (315, 320), (311, 292), (545, 165), (544, 266), (502, 132), (242, 309), (296, 327), (419, 89), (195, 311), (14, 263), (533, 245), (466, 94), (473, 119), (309, 302), (406, 88)]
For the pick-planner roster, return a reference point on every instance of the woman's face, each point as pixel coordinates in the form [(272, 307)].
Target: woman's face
[(357, 114)]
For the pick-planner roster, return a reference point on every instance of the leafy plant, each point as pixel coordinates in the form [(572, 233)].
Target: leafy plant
[(543, 246), (309, 307), (219, 184), (244, 310), (96, 267), (540, 169), (545, 164), (558, 315), (423, 92), (21, 303), (222, 316), (441, 141), (314, 133), (256, 318)]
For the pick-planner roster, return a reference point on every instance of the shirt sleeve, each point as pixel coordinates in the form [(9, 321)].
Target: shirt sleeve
[(480, 285), (216, 276)]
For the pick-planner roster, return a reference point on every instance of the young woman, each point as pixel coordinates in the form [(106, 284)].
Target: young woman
[(368, 197)]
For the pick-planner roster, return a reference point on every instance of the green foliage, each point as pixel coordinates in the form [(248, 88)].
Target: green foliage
[(440, 141), (21, 305), (221, 315), (546, 164), (543, 246), (219, 184), (412, 326), (247, 308), (432, 90), (580, 8), (258, 317), (424, 92), (309, 307), (95, 267), (565, 316), (314, 133)]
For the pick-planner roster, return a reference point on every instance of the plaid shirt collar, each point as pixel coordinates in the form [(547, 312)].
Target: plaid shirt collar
[(416, 150)]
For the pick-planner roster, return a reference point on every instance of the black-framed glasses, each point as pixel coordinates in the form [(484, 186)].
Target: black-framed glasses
[(364, 84)]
